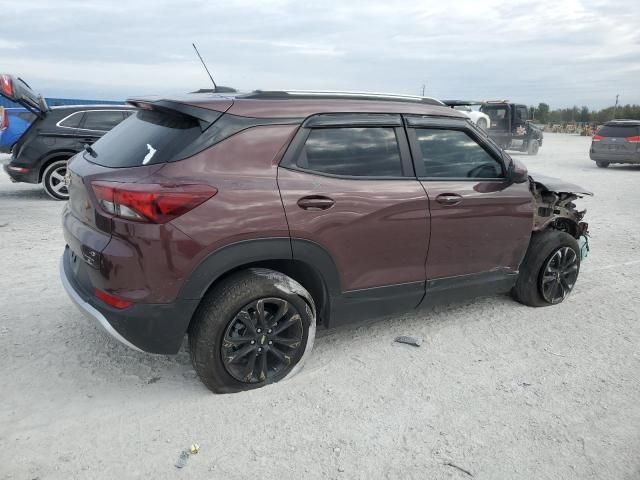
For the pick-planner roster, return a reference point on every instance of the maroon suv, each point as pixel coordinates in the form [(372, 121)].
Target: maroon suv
[(246, 221)]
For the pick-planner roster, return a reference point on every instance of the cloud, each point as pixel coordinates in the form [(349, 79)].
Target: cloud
[(560, 52)]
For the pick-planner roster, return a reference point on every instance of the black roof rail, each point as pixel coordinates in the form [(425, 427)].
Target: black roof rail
[(338, 95), (218, 89), (623, 121)]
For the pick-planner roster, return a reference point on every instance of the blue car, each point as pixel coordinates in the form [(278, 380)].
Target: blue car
[(16, 121)]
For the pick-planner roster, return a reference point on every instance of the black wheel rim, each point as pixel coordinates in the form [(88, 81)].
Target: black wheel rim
[(559, 275), (263, 341)]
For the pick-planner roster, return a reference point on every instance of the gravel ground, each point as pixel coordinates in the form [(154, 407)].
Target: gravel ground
[(500, 390)]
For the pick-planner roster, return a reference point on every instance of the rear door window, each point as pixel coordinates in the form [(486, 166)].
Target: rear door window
[(352, 152), (102, 120), (454, 154), (618, 131), (145, 138)]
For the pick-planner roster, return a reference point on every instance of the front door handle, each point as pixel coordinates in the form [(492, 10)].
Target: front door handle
[(315, 202), (449, 199)]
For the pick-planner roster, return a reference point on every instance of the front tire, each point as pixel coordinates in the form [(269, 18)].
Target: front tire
[(549, 270), (602, 164), (255, 328), (53, 180), (533, 147)]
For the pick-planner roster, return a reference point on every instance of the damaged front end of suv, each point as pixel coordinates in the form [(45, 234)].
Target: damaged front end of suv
[(555, 208)]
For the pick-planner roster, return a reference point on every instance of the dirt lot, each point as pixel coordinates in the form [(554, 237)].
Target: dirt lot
[(498, 389)]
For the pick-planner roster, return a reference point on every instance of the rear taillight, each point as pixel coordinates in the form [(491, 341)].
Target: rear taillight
[(150, 202), (6, 86), (112, 300), (634, 139), (597, 138)]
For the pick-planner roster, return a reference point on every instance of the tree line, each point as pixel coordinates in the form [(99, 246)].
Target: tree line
[(542, 114)]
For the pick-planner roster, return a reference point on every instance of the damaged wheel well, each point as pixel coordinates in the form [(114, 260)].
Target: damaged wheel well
[(299, 271), (557, 211)]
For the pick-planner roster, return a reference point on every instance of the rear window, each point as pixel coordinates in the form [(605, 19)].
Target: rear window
[(618, 131), (146, 138)]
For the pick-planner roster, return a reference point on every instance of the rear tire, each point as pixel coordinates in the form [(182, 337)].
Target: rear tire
[(537, 271), (602, 164), (235, 347), (533, 147), (53, 180)]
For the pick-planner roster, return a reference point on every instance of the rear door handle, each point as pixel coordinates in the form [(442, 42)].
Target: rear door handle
[(449, 199), (315, 202)]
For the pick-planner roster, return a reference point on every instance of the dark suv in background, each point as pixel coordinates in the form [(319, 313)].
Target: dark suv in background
[(40, 155), (248, 220), (617, 141)]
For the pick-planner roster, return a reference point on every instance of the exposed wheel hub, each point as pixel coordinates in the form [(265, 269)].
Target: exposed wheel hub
[(263, 340)]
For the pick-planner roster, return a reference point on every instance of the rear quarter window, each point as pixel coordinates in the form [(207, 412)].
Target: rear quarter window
[(102, 120), (145, 138), (71, 121)]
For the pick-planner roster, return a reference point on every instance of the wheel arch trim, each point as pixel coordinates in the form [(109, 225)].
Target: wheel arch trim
[(249, 252)]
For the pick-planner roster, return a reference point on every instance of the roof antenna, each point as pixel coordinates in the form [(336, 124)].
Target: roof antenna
[(215, 87)]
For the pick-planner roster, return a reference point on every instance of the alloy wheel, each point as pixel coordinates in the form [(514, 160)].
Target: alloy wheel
[(56, 181), (559, 275), (263, 341)]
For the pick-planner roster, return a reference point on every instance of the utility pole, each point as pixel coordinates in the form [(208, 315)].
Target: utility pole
[(615, 107), (424, 86)]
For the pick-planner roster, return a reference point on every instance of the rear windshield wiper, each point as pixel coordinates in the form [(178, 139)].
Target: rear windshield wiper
[(90, 150)]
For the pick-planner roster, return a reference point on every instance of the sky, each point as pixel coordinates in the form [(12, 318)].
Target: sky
[(562, 52)]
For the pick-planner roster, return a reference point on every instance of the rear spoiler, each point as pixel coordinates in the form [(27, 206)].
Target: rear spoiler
[(17, 90), (205, 116)]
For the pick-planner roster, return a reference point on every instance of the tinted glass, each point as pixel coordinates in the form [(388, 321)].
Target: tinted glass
[(72, 121), (357, 152), (146, 138), (618, 131), (104, 121), (495, 113), (454, 154), (521, 113)]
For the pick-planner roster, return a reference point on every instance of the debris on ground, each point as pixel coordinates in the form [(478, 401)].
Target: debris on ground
[(409, 340), (463, 470), (185, 454), (182, 459)]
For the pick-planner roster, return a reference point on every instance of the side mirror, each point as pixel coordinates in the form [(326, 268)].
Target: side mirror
[(518, 172)]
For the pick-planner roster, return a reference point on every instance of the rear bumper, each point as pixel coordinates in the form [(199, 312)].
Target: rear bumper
[(32, 176), (632, 157), (152, 328), (86, 308)]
